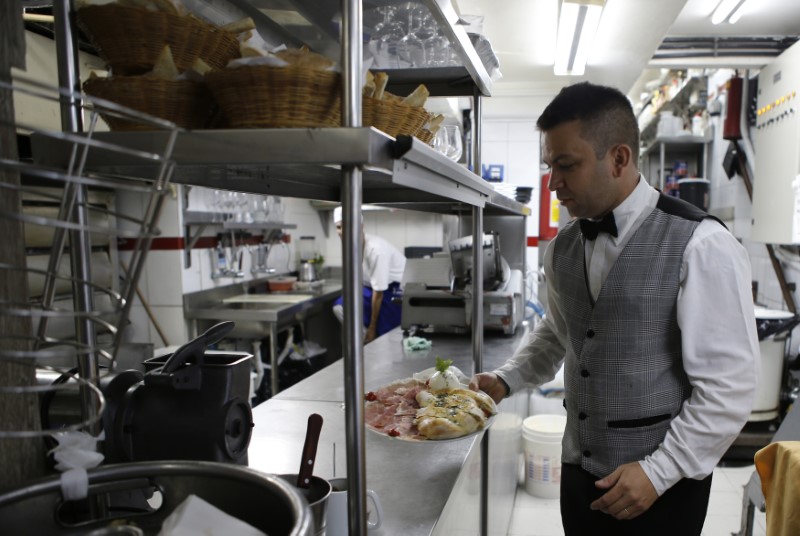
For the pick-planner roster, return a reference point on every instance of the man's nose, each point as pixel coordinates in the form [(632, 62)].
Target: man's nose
[(553, 182)]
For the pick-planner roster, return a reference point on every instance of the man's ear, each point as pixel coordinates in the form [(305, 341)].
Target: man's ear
[(621, 156)]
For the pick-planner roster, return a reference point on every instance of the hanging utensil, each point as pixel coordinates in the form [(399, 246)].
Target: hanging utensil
[(309, 450)]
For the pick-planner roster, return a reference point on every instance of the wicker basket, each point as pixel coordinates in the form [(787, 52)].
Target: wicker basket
[(261, 96), (425, 136), (130, 39), (186, 103), (393, 118)]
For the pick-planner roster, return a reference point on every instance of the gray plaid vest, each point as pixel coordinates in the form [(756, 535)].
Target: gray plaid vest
[(623, 374)]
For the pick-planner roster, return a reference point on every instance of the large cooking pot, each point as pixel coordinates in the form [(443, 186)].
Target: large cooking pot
[(143, 494)]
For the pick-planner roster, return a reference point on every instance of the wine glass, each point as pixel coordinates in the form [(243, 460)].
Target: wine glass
[(437, 49), (440, 141), (410, 48), (455, 144), (384, 38)]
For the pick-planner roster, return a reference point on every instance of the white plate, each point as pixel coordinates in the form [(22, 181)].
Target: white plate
[(425, 440)]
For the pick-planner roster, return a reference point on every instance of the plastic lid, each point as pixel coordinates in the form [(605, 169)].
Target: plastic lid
[(772, 314), (695, 179), (545, 423)]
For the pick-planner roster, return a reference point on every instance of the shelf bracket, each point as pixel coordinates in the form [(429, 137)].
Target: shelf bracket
[(191, 241)]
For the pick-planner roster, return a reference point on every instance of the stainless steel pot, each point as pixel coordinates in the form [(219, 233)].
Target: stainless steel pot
[(129, 491)]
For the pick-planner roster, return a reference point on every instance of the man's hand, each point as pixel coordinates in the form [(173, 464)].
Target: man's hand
[(371, 334), (630, 492), (489, 383)]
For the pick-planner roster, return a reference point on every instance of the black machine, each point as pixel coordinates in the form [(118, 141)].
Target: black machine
[(189, 405)]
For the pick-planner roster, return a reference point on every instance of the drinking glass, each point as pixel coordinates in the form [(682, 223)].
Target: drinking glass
[(384, 38), (410, 48), (455, 144)]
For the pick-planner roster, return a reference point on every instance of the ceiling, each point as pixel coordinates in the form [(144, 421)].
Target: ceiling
[(522, 34)]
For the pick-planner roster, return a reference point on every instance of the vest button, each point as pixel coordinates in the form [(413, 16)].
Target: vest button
[(590, 333), (585, 373), (582, 416), (587, 453)]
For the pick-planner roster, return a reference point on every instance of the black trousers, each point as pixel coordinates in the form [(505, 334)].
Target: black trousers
[(681, 510)]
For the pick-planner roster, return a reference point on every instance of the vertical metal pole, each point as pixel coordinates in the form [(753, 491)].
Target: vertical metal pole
[(80, 242), (353, 251), (477, 305)]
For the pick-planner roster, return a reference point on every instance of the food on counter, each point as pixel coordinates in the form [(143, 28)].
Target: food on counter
[(444, 377), (436, 408), (450, 413)]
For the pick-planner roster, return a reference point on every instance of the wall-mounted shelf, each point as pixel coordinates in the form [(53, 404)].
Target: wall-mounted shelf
[(202, 220), (693, 149), (680, 104)]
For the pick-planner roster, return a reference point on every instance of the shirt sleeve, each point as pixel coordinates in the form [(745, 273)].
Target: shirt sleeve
[(540, 356), (720, 356)]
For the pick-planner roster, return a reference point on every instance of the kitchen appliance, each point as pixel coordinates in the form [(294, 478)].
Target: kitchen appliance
[(307, 248), (437, 292), (307, 272), (188, 405)]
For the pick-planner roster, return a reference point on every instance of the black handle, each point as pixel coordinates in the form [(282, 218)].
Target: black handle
[(309, 451), (196, 348)]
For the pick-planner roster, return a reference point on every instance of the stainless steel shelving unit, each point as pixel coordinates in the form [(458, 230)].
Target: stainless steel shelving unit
[(351, 164)]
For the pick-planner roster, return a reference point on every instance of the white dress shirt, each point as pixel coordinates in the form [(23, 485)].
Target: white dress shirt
[(719, 340)]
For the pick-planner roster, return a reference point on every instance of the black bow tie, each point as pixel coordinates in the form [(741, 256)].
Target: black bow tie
[(591, 228)]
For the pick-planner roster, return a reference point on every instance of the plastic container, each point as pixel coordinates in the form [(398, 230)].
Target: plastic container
[(541, 435), (773, 327)]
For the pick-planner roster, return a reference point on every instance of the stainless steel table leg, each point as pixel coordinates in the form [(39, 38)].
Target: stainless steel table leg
[(273, 358)]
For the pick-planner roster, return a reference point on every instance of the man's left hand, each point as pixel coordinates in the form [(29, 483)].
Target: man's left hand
[(630, 492)]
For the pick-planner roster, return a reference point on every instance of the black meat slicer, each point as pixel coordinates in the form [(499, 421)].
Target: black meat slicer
[(188, 405)]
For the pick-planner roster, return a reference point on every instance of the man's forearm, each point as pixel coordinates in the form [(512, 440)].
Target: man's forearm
[(377, 301)]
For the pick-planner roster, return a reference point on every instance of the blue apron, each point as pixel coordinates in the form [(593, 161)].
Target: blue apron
[(390, 315)]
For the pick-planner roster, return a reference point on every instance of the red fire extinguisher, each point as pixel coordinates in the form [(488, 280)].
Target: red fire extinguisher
[(731, 127), (548, 211)]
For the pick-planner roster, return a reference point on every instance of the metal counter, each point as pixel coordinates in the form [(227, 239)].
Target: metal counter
[(424, 487), (257, 320)]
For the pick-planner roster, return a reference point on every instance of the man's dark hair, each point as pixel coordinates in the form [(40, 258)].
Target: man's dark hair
[(605, 113)]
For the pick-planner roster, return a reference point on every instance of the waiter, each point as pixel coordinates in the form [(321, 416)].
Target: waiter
[(383, 266)]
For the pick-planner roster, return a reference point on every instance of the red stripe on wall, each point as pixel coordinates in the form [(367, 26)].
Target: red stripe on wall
[(177, 243), (533, 241)]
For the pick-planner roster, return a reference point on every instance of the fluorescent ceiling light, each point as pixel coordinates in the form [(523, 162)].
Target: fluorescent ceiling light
[(728, 10), (577, 24)]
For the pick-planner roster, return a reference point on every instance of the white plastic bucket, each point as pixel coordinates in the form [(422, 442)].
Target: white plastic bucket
[(542, 436)]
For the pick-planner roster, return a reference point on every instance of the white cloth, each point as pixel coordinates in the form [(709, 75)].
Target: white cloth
[(717, 320), (196, 517), (76, 452), (382, 264)]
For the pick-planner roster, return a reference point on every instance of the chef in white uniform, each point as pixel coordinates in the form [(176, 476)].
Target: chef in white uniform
[(383, 266)]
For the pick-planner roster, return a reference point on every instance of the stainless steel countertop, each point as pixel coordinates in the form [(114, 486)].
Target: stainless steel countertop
[(385, 360), (413, 480), (211, 306)]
